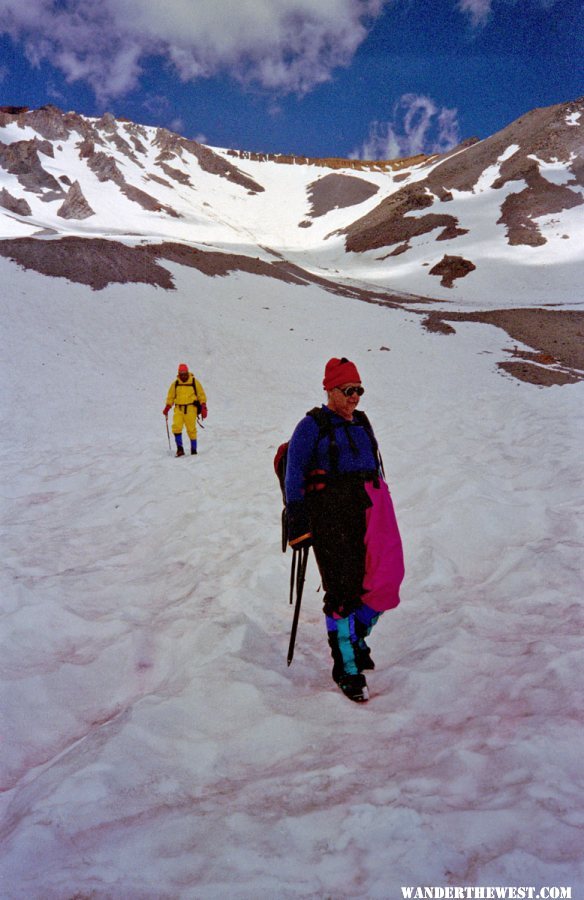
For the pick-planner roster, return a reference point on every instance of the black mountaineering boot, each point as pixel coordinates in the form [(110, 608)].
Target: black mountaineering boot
[(361, 650), (180, 451), (363, 656), (338, 667), (354, 687)]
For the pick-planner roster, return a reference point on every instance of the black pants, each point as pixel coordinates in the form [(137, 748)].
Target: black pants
[(338, 522)]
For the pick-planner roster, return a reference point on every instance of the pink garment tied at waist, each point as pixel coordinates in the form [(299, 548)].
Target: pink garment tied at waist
[(384, 560)]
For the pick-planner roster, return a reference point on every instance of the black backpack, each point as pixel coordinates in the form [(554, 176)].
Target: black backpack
[(326, 428)]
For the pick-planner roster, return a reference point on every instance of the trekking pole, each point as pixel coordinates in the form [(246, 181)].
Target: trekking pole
[(292, 576), (168, 435), (300, 572)]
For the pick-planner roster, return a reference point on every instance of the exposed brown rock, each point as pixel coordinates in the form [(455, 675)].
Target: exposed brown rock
[(537, 375), (557, 336), (92, 261), (330, 162), (451, 230), (124, 147), (49, 121), (138, 145), (106, 169), (98, 262), (402, 248), (464, 145), (539, 198), (134, 129), (16, 205), (21, 158), (437, 325), (159, 180), (337, 192), (212, 263), (75, 206), (451, 267), (86, 148), (542, 133), (146, 201), (108, 125), (13, 110), (389, 223), (102, 165), (46, 121), (53, 124), (172, 145), (176, 174)]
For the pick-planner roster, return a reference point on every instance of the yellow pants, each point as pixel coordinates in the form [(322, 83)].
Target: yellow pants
[(187, 419)]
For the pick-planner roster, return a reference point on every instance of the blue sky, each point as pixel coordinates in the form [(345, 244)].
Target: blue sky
[(368, 78)]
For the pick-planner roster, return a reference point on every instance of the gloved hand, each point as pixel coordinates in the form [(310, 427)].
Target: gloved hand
[(298, 525), (339, 608), (203, 410), (166, 410), (299, 543)]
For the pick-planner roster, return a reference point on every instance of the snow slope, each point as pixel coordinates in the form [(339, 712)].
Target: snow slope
[(154, 743)]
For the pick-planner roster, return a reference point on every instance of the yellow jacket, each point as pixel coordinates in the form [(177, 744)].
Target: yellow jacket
[(186, 393)]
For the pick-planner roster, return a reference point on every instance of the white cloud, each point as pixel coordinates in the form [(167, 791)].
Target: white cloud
[(479, 11), (418, 126), (281, 45)]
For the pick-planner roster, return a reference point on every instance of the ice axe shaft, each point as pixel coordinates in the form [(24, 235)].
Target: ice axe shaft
[(168, 433), (297, 576)]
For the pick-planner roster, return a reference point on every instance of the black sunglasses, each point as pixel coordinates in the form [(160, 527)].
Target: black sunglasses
[(349, 391)]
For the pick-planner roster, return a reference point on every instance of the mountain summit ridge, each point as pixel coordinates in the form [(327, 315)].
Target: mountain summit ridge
[(431, 226)]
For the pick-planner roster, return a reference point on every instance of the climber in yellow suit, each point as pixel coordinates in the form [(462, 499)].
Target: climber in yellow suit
[(188, 397)]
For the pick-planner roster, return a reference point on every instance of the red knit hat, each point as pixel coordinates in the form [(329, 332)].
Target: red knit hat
[(183, 367), (339, 371)]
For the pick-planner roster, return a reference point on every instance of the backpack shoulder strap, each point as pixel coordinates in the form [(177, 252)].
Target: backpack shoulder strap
[(193, 385), (319, 415), (326, 428), (361, 418)]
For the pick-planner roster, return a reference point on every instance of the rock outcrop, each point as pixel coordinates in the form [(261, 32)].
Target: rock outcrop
[(75, 206), (14, 204), (451, 267)]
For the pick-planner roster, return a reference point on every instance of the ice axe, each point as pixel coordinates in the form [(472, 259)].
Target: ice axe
[(297, 576), (168, 435)]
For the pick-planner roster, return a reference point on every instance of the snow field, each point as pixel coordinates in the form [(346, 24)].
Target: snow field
[(155, 743)]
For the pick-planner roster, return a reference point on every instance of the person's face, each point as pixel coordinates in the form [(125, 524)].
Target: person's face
[(340, 403), (183, 376)]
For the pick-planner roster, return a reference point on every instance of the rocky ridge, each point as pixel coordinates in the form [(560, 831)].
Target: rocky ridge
[(523, 148), (169, 199)]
